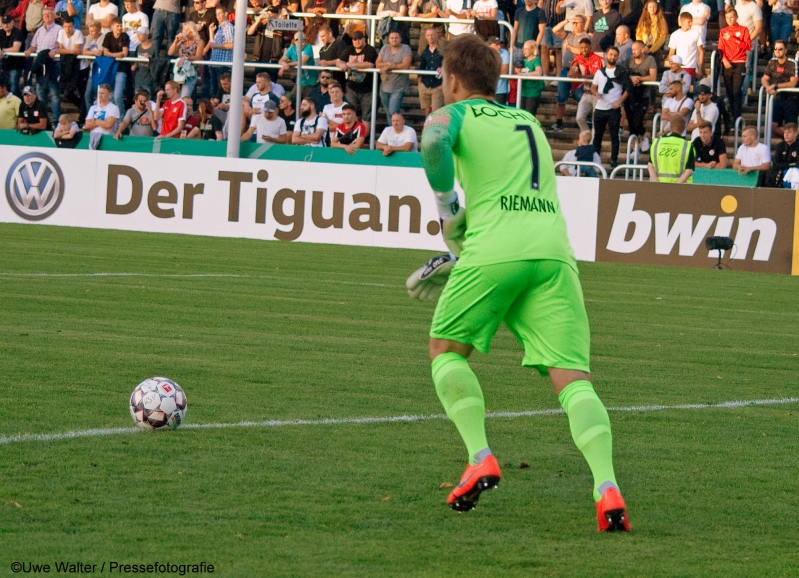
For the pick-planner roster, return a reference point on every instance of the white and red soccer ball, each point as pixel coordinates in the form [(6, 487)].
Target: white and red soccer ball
[(158, 403)]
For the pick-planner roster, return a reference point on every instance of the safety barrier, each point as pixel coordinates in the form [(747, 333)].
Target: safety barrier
[(636, 169), (770, 112), (740, 123), (596, 166)]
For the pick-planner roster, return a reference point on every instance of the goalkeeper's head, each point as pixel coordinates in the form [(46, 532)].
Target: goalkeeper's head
[(471, 69)]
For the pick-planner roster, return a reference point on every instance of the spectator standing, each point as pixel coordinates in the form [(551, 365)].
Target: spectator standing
[(9, 106), (641, 68), (675, 72), (221, 47), (334, 111), (359, 84), (268, 46), (398, 137), (711, 152), (586, 153), (586, 66), (74, 72), (671, 9), (393, 56), (267, 126), (115, 45), (573, 8), (781, 72), (781, 20), (672, 157), (352, 7), (11, 40), (143, 77), (734, 44), (30, 14), (221, 99), (203, 17), (45, 42), (428, 9), (624, 43), (209, 127), (174, 113), (188, 47), (329, 53), (571, 49), (652, 29), (67, 134), (312, 128), (610, 93), (631, 11), (166, 21), (675, 104), (32, 113), (530, 90), (139, 118), (687, 44), (786, 156), (458, 10), (551, 41), (751, 155), (431, 95), (751, 16), (389, 9), (484, 13), (287, 113), (602, 27), (289, 60), (503, 88), (103, 12), (530, 24), (133, 19), (705, 110), (700, 14), (92, 46), (71, 9), (253, 104), (350, 135), (102, 116)]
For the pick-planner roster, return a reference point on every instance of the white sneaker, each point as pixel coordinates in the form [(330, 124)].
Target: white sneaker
[(554, 83), (644, 144)]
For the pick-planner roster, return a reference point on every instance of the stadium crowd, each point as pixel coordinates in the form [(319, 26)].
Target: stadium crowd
[(627, 62)]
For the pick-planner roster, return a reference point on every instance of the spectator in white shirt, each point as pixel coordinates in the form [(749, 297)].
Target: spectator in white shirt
[(704, 110), (333, 111), (687, 44), (268, 126), (311, 130), (700, 13), (752, 155), (675, 103), (398, 137), (102, 116), (132, 21), (102, 12)]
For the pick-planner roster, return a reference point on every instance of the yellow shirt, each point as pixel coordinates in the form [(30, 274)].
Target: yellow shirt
[(9, 111)]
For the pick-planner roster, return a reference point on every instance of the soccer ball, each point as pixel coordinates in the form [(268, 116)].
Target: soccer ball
[(158, 403)]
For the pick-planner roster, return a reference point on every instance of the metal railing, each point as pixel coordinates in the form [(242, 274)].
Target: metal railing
[(739, 122), (760, 99), (627, 167), (597, 166), (770, 112), (632, 142)]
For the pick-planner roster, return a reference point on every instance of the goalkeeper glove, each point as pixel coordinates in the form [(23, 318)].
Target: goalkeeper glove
[(427, 282), (453, 221)]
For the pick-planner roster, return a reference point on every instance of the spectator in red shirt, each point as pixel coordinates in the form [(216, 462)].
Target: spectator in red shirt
[(584, 66), (351, 134), (734, 42), (173, 113)]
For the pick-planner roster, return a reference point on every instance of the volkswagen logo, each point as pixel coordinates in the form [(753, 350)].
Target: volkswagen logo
[(34, 186)]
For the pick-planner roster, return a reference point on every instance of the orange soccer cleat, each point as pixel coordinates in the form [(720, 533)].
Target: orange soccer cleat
[(475, 480), (611, 512)]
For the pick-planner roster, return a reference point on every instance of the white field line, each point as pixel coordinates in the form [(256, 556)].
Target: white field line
[(388, 419)]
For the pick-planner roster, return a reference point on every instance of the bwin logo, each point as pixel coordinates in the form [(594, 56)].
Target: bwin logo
[(34, 186), (667, 234)]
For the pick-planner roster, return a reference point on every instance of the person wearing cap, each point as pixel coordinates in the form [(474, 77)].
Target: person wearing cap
[(11, 40), (73, 8), (142, 75), (734, 44), (32, 113), (671, 158), (781, 72), (132, 21), (9, 106), (359, 84), (503, 87), (675, 72), (705, 110)]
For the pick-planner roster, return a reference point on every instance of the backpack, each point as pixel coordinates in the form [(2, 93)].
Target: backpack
[(325, 139)]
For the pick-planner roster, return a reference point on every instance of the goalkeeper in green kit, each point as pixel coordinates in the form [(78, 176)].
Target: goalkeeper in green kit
[(514, 264)]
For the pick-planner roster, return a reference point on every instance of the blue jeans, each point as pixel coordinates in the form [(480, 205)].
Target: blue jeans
[(49, 88), (392, 102), (781, 26), (188, 87), (89, 95), (119, 91), (564, 88), (164, 27), (214, 72), (13, 81)]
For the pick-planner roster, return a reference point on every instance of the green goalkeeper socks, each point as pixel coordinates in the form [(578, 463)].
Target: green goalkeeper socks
[(590, 427), (460, 394)]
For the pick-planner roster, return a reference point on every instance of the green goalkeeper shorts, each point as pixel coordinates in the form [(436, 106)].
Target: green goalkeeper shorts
[(541, 302)]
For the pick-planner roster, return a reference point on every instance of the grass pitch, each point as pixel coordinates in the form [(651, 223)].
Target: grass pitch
[(259, 331)]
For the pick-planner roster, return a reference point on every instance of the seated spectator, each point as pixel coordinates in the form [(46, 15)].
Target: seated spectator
[(333, 112), (321, 92), (398, 137), (46, 66), (312, 129), (585, 152), (142, 73), (103, 116), (73, 71), (103, 12), (429, 9), (671, 158), (67, 133), (675, 104), (288, 113), (32, 113), (267, 126), (133, 19), (188, 47), (289, 61), (115, 45), (69, 10), (781, 72), (192, 118), (165, 22), (139, 119), (624, 43), (530, 89), (503, 88), (350, 135), (209, 126), (9, 106), (431, 95), (704, 110), (253, 102), (786, 156), (687, 44), (221, 98), (393, 56), (572, 49), (173, 114), (711, 152), (751, 155), (11, 40), (675, 72)]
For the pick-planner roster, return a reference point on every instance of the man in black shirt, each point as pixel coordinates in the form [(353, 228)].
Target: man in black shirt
[(287, 112), (786, 156), (711, 152), (12, 40), (531, 23), (319, 93), (431, 96), (330, 52), (32, 113), (602, 27), (359, 84)]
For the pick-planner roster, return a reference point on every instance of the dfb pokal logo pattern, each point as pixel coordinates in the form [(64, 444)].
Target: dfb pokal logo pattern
[(34, 186)]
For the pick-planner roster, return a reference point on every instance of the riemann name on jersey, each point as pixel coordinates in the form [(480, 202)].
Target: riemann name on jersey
[(529, 204)]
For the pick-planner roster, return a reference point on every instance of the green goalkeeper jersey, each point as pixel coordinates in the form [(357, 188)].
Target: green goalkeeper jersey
[(503, 162)]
